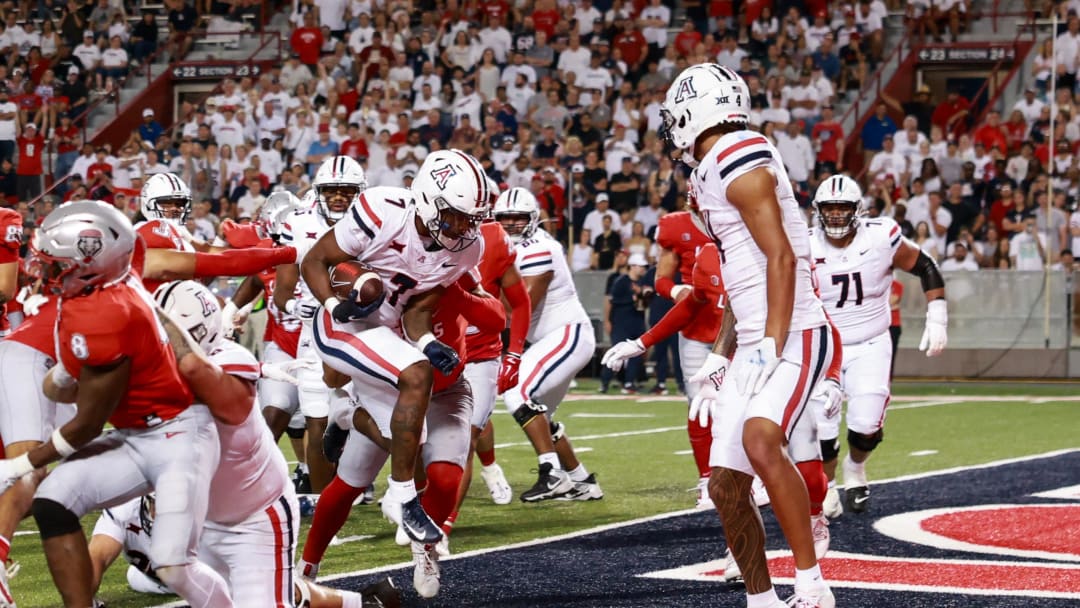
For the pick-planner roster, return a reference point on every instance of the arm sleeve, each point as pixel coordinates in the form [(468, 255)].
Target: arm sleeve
[(242, 262), (486, 314), (677, 318)]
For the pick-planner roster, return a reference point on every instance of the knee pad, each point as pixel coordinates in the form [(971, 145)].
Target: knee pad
[(528, 411), (558, 431), (295, 433), (54, 519), (866, 443), (830, 449)]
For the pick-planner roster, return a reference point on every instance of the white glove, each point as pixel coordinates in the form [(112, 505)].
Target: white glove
[(616, 356), (678, 290), (709, 379), (754, 371), (828, 393), (11, 469), (935, 336), (302, 309), (228, 320), (31, 301), (282, 372)]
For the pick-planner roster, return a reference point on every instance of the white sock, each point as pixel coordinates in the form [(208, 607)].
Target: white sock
[(854, 473), (832, 483), (550, 458), (809, 578), (350, 599), (304, 468), (402, 490), (579, 474), (767, 599)]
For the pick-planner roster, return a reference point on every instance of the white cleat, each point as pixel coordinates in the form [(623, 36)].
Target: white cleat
[(501, 493), (704, 501), (818, 598), (7, 600), (442, 548), (819, 526), (833, 507), (732, 573), (760, 494), (426, 570)]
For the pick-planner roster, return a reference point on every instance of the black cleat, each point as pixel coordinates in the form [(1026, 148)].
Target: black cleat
[(382, 594), (551, 483), (418, 524), (857, 500), (333, 442)]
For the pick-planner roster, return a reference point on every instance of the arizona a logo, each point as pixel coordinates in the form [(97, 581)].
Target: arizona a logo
[(90, 242), (442, 175), (685, 90)]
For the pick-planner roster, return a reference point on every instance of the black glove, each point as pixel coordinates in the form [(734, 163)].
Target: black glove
[(442, 357), (349, 310)]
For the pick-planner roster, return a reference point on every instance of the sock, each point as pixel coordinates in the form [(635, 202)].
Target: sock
[(403, 490), (550, 458), (448, 525), (767, 599), (854, 473), (487, 457), (304, 468), (700, 445), (809, 578), (579, 474), (330, 514), (5, 550), (351, 599), (441, 496), (813, 473)]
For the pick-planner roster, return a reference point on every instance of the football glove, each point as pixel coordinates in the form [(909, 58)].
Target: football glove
[(935, 335), (442, 356), (508, 372), (302, 309), (755, 369), (31, 301), (708, 380), (828, 394), (345, 311), (616, 356)]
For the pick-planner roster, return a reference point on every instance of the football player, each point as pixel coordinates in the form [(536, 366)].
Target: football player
[(561, 343), (785, 344), (117, 368), (338, 182), (11, 232), (419, 240), (854, 258)]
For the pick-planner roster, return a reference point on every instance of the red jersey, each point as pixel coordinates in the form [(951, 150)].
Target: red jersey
[(307, 42), (677, 232), (498, 257), (37, 331), (130, 328), (159, 234), (898, 292), (11, 232), (546, 21), (457, 309), (30, 149), (282, 328)]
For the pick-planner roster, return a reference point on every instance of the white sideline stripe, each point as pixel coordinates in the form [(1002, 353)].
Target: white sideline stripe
[(1066, 493), (923, 453), (659, 517), (590, 415), (663, 429)]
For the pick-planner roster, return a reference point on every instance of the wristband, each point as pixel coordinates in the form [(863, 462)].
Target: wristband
[(424, 340), (62, 446), (678, 289), (329, 304), (21, 465)]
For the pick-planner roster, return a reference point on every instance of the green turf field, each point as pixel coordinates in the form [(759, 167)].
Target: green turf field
[(637, 446)]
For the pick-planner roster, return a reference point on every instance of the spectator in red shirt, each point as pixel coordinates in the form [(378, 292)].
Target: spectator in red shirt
[(631, 43), (100, 165), (307, 41), (495, 8), (686, 40), (952, 113), (546, 17), (991, 135), (355, 147), (828, 140), (28, 180)]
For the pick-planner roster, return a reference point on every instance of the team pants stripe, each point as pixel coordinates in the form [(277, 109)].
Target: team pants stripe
[(279, 566), (560, 353), (821, 339), (352, 350)]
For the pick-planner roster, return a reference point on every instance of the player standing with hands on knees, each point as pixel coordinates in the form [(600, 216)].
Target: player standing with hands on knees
[(854, 257), (784, 340)]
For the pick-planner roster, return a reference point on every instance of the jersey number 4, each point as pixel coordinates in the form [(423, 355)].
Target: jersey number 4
[(844, 281)]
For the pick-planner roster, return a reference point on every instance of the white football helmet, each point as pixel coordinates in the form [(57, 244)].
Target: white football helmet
[(272, 213), (453, 196), (191, 305), (493, 186), (701, 97), (337, 183), (166, 189), (844, 199), (518, 212), (82, 246)]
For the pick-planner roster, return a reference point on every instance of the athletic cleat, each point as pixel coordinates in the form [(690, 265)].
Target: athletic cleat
[(442, 548), (426, 570), (819, 526), (704, 501), (501, 494), (301, 481), (308, 571), (659, 389), (857, 499), (382, 594), (550, 483), (833, 506), (732, 573), (760, 494), (584, 490), (307, 504), (333, 441), (7, 571), (368, 497), (819, 598), (417, 524)]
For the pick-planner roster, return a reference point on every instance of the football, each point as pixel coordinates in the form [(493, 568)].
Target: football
[(351, 275)]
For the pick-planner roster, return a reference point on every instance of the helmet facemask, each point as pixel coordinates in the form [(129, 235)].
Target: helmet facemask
[(453, 230), (173, 209), (147, 511), (519, 226), (837, 218), (335, 199)]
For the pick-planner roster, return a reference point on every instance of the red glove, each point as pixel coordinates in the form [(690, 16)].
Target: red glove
[(239, 236), (508, 372)]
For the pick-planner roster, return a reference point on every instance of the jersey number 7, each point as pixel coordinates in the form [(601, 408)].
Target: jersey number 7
[(404, 283)]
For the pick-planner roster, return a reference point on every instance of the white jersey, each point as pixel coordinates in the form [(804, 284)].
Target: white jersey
[(122, 524), (252, 472), (301, 230), (380, 231), (561, 306), (742, 261), (856, 281)]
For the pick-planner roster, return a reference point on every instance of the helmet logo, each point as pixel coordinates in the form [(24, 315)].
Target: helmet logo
[(90, 243), (443, 175), (207, 307), (685, 90)]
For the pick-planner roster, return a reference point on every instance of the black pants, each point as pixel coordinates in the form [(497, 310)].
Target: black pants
[(894, 333)]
